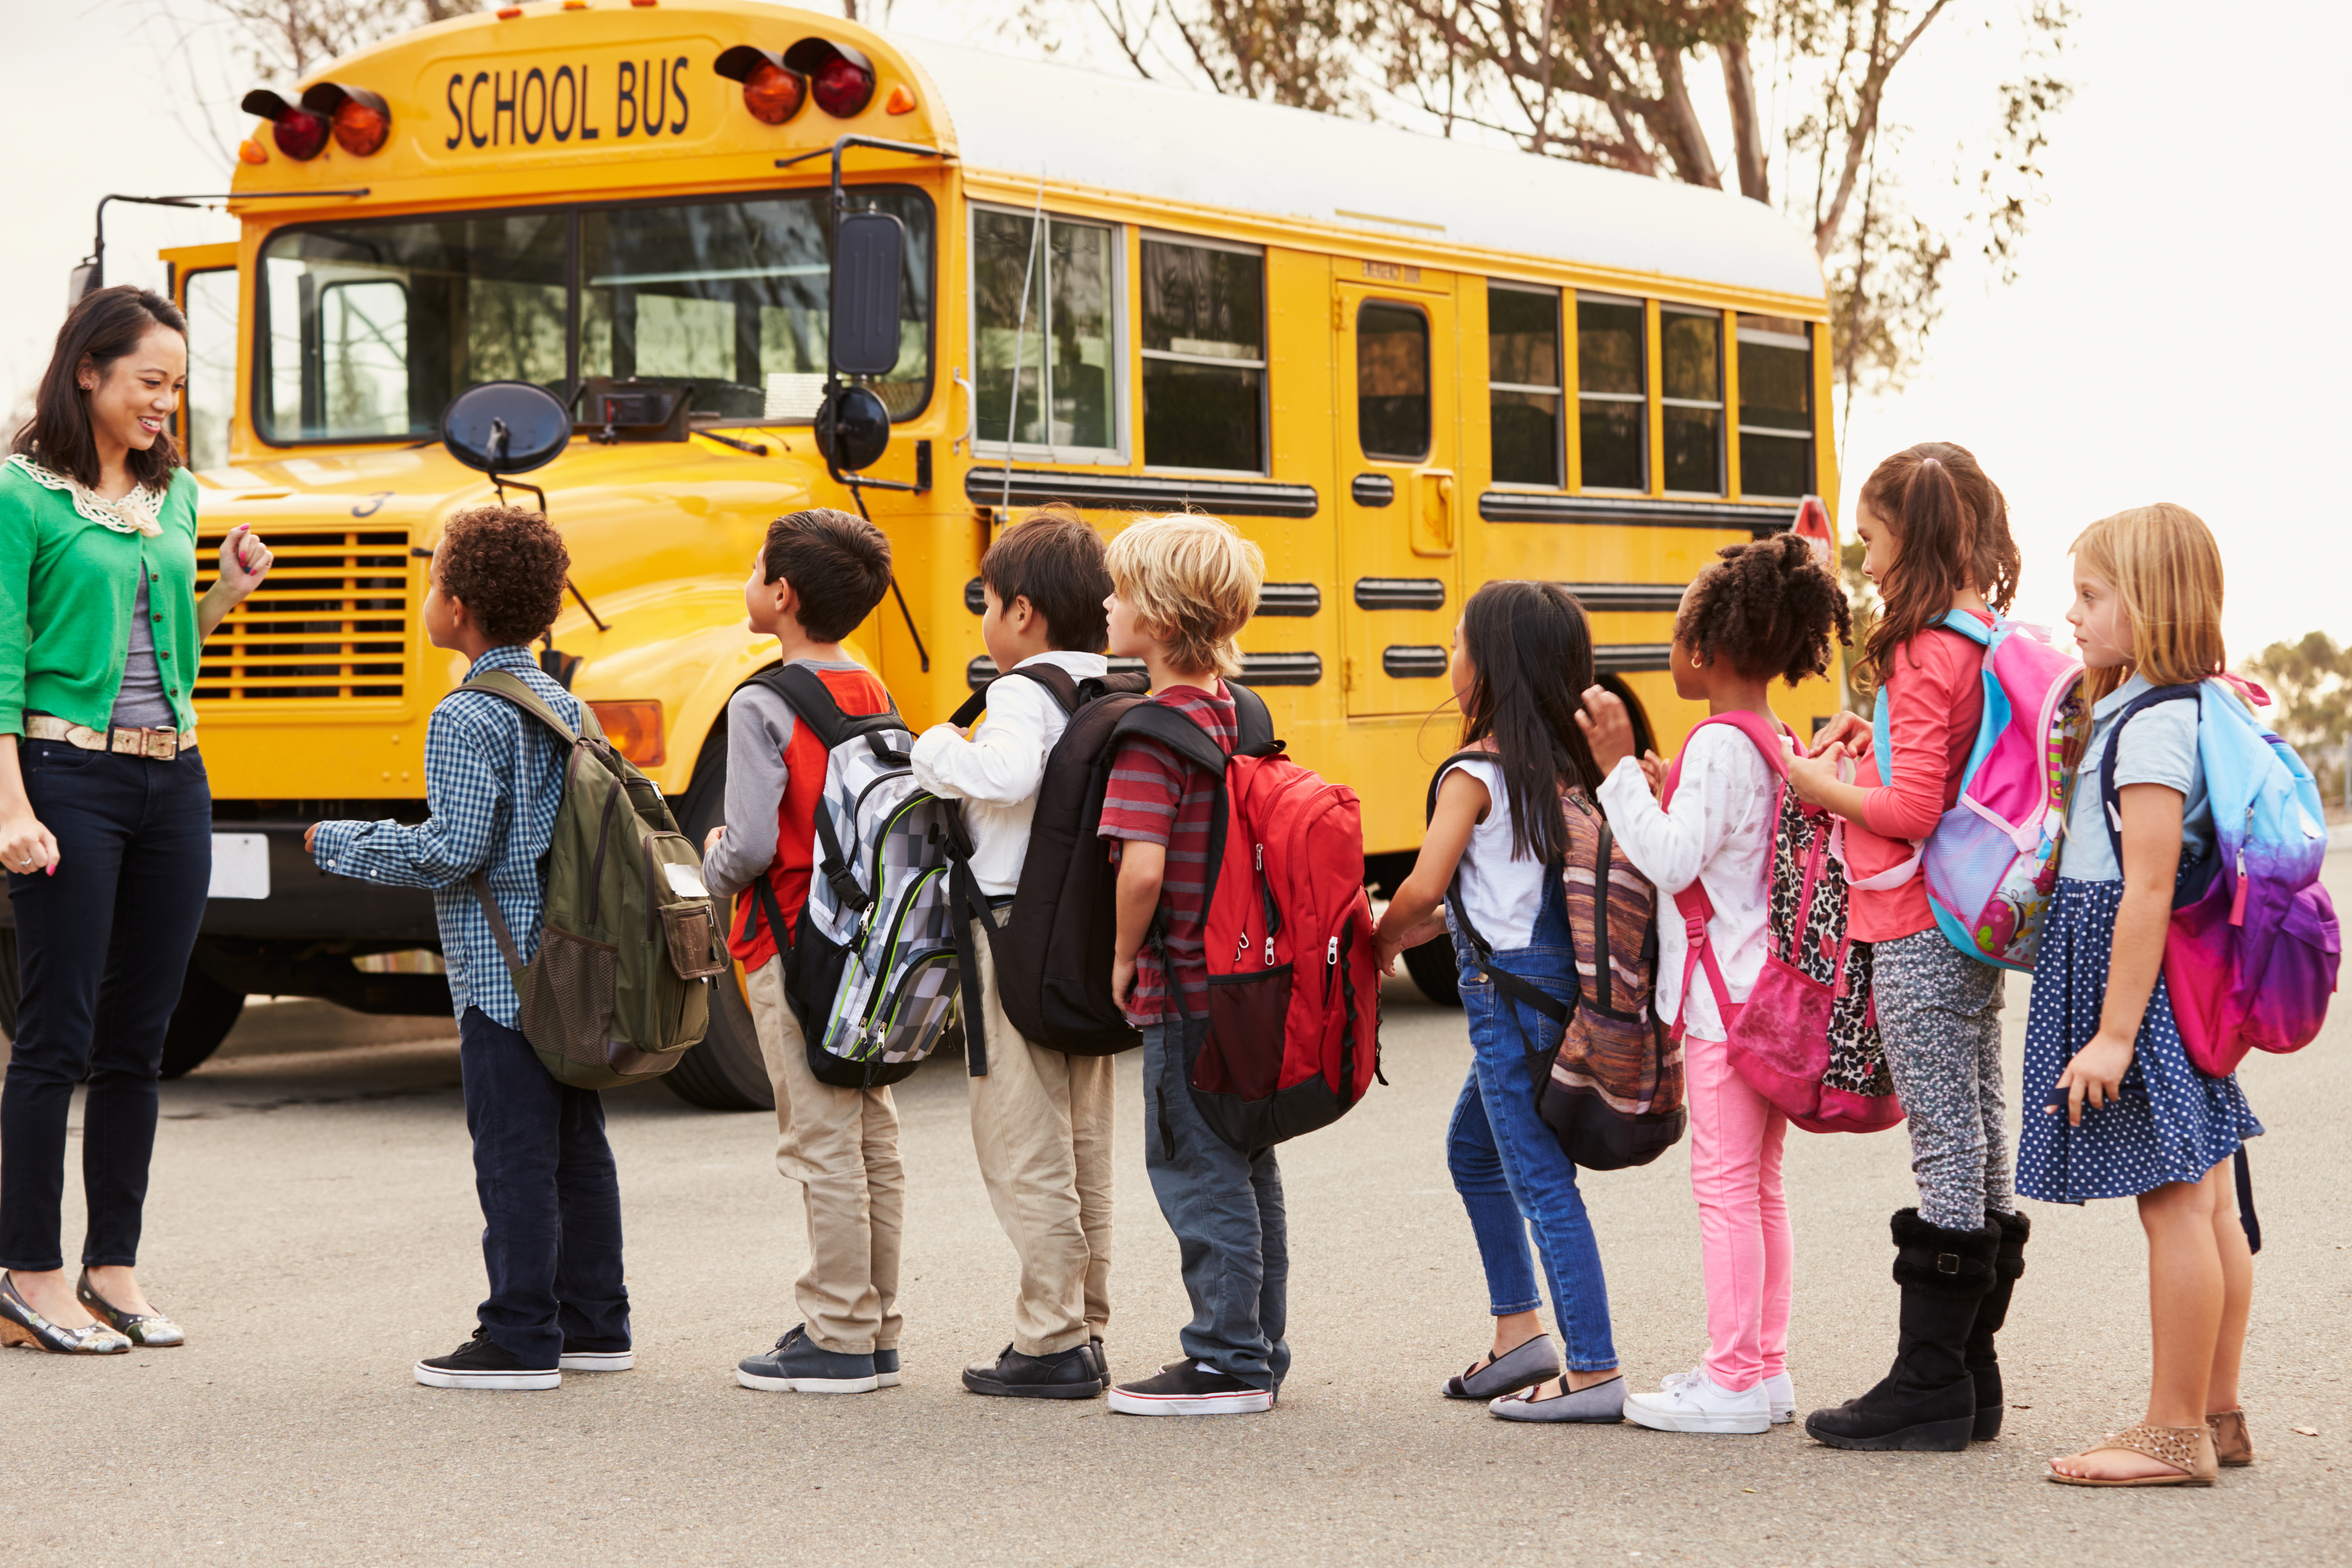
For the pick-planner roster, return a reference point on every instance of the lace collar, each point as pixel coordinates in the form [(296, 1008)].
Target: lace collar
[(138, 512)]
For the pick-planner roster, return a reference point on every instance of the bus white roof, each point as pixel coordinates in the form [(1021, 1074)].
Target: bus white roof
[(1028, 118)]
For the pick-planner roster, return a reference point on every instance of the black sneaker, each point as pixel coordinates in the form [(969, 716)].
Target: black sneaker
[(480, 1364), (1189, 1388), (800, 1366), (886, 1368), (597, 1355), (1102, 1362), (1069, 1374)]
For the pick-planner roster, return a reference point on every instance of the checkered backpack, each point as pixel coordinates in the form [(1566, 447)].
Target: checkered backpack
[(872, 969)]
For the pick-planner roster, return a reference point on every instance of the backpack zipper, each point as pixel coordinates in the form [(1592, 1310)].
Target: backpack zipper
[(1266, 898), (898, 927)]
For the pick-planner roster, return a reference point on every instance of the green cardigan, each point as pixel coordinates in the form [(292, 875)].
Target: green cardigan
[(67, 585)]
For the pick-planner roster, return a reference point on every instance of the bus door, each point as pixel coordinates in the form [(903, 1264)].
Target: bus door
[(204, 287), (1399, 505)]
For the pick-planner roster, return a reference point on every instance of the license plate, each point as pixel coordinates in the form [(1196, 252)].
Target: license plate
[(240, 866)]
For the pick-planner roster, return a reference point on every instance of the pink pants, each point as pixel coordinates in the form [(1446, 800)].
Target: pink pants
[(1743, 1219)]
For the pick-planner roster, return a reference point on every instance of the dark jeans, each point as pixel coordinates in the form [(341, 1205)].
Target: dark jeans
[(550, 1200), (102, 949), (1225, 1207)]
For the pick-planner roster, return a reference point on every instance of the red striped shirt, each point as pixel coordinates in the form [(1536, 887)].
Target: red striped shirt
[(1157, 797)]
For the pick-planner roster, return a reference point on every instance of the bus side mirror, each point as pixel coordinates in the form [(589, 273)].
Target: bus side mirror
[(853, 429), (869, 255), (505, 427)]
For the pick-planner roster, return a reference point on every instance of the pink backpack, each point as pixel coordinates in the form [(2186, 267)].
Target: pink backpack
[(1807, 1037), (1992, 862)]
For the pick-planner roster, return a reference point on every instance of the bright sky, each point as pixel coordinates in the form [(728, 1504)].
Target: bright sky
[(2110, 376)]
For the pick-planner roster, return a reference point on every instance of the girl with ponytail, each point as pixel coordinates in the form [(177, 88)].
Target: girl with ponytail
[(1935, 534)]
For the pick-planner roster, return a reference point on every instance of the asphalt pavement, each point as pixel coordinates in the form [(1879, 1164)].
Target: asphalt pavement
[(312, 1224)]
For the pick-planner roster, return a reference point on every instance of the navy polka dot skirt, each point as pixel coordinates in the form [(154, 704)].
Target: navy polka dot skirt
[(2172, 1123)]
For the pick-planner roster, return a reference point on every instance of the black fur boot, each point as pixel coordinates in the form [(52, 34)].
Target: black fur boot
[(1927, 1402), (2008, 1263)]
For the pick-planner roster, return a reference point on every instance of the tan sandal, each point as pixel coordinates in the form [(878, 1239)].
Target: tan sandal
[(2188, 1449), (2232, 1445)]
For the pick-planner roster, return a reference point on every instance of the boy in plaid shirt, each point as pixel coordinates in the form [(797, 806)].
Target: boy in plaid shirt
[(493, 779)]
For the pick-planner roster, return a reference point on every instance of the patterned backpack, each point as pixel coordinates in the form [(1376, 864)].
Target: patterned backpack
[(872, 969), (1807, 1037), (1613, 1090)]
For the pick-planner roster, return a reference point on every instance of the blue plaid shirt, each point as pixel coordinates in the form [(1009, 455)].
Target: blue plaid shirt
[(493, 779)]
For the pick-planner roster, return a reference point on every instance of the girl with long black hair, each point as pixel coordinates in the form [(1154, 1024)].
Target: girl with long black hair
[(1521, 656), (105, 814)]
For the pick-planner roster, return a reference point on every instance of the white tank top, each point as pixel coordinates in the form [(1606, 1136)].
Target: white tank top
[(1501, 893)]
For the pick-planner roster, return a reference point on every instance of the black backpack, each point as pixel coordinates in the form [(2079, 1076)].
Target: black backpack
[(1053, 955)]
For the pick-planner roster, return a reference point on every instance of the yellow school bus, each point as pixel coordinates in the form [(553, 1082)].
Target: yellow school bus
[(1404, 366)]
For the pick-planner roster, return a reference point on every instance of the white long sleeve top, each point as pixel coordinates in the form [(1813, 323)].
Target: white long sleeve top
[(996, 770), (1718, 833)]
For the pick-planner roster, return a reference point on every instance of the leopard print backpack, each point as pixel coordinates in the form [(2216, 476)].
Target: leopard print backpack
[(1807, 1037)]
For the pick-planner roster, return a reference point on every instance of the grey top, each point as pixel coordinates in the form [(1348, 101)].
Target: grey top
[(141, 704), (759, 728), (2159, 746)]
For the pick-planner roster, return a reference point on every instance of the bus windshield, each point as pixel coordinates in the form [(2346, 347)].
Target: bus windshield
[(372, 326)]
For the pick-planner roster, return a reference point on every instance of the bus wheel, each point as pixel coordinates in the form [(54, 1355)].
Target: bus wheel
[(726, 1071), (1431, 967)]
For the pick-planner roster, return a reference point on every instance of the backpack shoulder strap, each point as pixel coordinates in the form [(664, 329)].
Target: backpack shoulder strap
[(1966, 622), (1059, 683), (1253, 725), (1157, 722), (814, 704), (1753, 726), (2110, 797), (509, 687)]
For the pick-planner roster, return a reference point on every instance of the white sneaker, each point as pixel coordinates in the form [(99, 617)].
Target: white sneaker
[(1696, 1403), (1778, 1392)]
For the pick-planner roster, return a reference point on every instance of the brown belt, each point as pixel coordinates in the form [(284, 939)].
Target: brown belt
[(160, 744)]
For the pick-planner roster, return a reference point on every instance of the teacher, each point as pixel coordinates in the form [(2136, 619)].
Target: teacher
[(105, 814)]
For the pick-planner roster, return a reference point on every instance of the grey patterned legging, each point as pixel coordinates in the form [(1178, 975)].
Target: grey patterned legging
[(1939, 1015)]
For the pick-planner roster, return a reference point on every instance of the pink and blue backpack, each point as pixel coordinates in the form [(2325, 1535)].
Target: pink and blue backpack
[(1992, 862), (2249, 961)]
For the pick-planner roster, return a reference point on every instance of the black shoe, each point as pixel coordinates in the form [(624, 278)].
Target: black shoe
[(480, 1364), (1067, 1374), (1102, 1362), (1927, 1402), (1190, 1388), (1984, 1366), (597, 1355)]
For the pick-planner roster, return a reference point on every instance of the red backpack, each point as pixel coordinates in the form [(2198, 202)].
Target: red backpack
[(1292, 1037)]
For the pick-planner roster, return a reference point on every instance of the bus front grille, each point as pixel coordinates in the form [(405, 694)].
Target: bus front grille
[(332, 620)]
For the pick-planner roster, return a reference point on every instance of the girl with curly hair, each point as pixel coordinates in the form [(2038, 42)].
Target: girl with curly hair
[(1765, 611)]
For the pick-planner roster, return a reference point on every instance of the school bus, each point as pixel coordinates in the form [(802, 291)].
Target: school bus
[(1404, 366)]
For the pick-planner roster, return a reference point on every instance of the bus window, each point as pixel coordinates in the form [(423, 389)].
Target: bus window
[(1203, 355), (1691, 342), (480, 299), (1776, 407), (1066, 352), (1523, 388), (1392, 381), (211, 298), (1612, 391), (730, 298)]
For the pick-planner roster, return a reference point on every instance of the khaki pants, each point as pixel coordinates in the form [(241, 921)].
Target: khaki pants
[(842, 1146), (1041, 1123)]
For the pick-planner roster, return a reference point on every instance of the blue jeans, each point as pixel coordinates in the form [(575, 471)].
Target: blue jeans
[(550, 1200), (101, 949), (1225, 1208), (1507, 1165)]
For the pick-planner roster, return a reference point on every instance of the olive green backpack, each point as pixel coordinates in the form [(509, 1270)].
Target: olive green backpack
[(620, 986)]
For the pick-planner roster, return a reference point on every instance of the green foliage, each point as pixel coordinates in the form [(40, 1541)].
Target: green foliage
[(1862, 600), (2310, 683)]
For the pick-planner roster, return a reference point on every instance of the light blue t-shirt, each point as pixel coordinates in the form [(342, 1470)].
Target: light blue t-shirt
[(2159, 746)]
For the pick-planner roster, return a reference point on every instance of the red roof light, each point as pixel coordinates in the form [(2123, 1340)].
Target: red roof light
[(299, 135), (772, 90), (362, 119), (841, 79)]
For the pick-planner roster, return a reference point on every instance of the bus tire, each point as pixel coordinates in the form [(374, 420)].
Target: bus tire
[(207, 1011), (726, 1071), (1431, 967)]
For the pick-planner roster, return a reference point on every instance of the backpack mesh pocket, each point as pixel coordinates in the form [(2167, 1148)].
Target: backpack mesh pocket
[(568, 995), (694, 948)]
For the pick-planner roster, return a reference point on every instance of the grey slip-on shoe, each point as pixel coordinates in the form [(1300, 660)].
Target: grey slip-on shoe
[(1515, 1369), (1603, 1402)]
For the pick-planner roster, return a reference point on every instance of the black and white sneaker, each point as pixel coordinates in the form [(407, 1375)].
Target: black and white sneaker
[(1189, 1388), (480, 1364), (597, 1355), (886, 1368), (800, 1366)]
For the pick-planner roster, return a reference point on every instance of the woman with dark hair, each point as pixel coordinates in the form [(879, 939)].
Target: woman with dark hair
[(105, 814), (1497, 836)]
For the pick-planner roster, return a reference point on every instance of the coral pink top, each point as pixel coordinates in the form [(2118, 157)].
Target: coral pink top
[(1935, 697)]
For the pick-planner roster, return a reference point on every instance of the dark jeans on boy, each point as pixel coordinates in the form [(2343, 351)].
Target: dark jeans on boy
[(1225, 1208), (102, 948), (550, 1200)]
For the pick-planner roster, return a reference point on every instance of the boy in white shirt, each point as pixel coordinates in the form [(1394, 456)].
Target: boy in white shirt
[(1041, 1120)]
